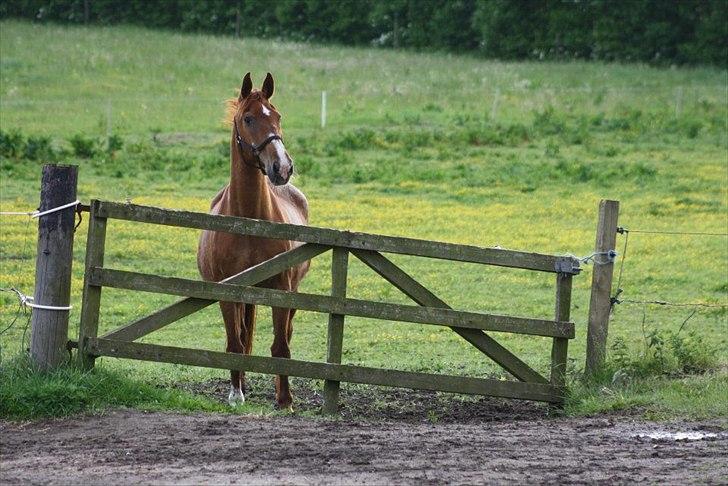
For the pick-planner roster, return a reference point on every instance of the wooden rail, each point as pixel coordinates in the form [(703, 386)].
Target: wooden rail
[(429, 309), (190, 305), (343, 239), (327, 371), (226, 292)]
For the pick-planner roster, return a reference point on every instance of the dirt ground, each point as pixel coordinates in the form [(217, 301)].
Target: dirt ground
[(402, 438)]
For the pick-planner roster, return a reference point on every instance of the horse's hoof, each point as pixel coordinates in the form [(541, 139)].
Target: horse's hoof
[(285, 407), (236, 397)]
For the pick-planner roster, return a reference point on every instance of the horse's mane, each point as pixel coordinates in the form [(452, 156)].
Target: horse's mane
[(233, 104), (231, 107)]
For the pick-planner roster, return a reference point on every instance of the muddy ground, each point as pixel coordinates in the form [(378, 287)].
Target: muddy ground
[(402, 437)]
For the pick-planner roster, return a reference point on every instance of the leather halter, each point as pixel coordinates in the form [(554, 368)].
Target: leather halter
[(256, 149)]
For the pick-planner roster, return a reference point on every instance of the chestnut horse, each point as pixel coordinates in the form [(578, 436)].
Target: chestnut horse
[(260, 169)]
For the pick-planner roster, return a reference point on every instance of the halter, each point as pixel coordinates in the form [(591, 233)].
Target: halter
[(256, 149)]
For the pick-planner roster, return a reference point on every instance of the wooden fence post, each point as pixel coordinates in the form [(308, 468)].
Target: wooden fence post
[(91, 304), (600, 303), (339, 264), (560, 346), (49, 328)]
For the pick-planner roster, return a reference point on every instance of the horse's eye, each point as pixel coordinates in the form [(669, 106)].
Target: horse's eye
[(248, 120)]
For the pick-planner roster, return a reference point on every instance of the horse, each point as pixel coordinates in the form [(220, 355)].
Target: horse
[(260, 170)]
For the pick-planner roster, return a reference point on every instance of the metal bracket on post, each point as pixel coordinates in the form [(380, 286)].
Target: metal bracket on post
[(567, 264)]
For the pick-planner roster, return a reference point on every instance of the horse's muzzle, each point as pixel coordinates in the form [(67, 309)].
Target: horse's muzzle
[(280, 176)]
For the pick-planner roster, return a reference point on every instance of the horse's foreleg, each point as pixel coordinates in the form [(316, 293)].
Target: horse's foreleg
[(232, 315), (280, 349)]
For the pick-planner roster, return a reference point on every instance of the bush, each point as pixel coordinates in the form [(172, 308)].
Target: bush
[(359, 139), (12, 144), (84, 147), (39, 148), (691, 31)]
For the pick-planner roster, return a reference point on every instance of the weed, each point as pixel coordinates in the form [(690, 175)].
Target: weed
[(552, 148), (114, 143), (547, 122), (433, 108), (664, 353), (432, 416), (693, 354), (412, 119)]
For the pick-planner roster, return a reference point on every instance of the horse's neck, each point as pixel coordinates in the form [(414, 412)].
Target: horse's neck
[(248, 194)]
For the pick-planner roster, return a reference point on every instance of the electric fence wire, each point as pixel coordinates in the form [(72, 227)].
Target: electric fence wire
[(616, 300), (22, 309), (27, 300), (689, 233), (673, 304)]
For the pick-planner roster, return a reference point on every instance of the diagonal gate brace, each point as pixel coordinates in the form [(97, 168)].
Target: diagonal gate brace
[(190, 305), (417, 292)]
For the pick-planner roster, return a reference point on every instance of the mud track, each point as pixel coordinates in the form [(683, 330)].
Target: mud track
[(402, 437)]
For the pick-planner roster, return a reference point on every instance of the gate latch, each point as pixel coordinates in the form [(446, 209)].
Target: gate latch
[(567, 264)]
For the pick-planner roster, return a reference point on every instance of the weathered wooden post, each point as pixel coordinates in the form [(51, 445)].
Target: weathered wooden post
[(560, 346), (49, 326), (339, 264), (600, 303), (89, 325)]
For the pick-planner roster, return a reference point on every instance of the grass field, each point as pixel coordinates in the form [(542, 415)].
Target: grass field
[(421, 145)]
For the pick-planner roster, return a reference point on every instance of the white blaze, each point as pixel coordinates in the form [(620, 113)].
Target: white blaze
[(266, 111), (280, 151)]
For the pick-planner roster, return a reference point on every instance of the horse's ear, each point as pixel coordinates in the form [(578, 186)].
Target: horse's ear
[(246, 88), (268, 86)]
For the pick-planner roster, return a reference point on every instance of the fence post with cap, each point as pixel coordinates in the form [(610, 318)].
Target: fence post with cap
[(49, 323), (600, 303)]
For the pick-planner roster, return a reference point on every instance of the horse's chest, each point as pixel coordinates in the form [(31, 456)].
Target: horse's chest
[(231, 254)]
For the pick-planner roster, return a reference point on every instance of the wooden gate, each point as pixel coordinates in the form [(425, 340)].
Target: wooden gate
[(368, 248)]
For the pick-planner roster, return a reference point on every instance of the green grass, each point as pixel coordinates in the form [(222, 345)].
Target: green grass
[(690, 397), (413, 147), (27, 394)]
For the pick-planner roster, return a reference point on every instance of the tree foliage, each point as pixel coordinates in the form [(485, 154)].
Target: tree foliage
[(655, 31)]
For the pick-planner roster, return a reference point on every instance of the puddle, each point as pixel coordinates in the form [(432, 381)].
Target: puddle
[(676, 436)]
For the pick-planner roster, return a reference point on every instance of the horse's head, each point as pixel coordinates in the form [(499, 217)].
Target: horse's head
[(257, 127)]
